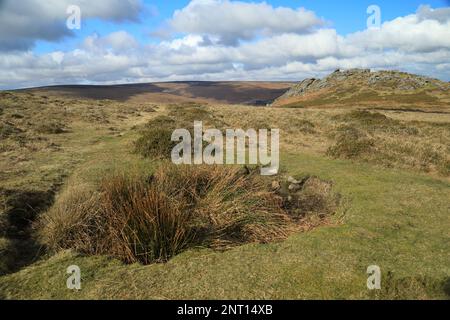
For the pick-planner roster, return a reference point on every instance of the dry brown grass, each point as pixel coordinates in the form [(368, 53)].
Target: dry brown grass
[(155, 142), (408, 140), (153, 219), (51, 127), (315, 198), (72, 219), (351, 143), (179, 207), (376, 138)]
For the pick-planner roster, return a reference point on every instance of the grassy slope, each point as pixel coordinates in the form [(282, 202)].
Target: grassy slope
[(29, 169), (398, 220)]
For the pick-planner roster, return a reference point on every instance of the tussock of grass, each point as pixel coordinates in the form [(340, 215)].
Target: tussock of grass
[(376, 122), (399, 207), (151, 220), (365, 117), (351, 143), (373, 137), (189, 112), (51, 127), (179, 207), (185, 115), (73, 219), (302, 125), (437, 157), (155, 138), (155, 142), (419, 287), (161, 122), (7, 130), (315, 199)]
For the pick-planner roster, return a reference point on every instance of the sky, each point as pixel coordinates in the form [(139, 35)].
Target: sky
[(133, 41)]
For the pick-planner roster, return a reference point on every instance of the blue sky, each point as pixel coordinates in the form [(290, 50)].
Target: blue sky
[(346, 16), (143, 40)]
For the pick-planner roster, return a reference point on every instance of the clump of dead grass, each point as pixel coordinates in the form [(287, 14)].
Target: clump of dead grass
[(302, 125), (374, 138), (351, 143), (155, 142), (51, 127), (185, 114), (314, 197), (152, 219), (8, 129), (155, 139), (377, 122), (161, 122)]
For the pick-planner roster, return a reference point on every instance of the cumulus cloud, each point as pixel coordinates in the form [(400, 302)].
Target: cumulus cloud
[(25, 21), (425, 31), (418, 43), (230, 21), (120, 41), (427, 13)]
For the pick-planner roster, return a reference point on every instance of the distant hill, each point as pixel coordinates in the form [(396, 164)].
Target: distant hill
[(362, 87), (250, 93)]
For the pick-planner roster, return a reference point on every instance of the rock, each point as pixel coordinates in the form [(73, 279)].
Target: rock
[(300, 88), (293, 180), (359, 79), (276, 185)]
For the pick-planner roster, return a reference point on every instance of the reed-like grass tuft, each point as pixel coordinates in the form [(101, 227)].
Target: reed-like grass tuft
[(151, 219)]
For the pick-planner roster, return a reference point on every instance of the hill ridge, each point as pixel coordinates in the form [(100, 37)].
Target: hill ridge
[(357, 85)]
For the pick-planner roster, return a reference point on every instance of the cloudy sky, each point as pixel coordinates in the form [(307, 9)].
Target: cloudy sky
[(125, 41)]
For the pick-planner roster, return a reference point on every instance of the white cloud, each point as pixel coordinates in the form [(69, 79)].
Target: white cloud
[(427, 13), (25, 21), (120, 41), (417, 43), (413, 33), (231, 21)]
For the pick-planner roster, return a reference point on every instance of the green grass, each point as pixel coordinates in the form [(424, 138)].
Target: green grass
[(396, 219)]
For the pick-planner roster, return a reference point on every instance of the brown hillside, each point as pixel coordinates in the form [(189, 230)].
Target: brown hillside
[(249, 93), (361, 87)]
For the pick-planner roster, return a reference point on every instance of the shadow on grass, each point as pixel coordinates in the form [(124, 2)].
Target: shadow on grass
[(412, 288), (22, 209), (447, 287)]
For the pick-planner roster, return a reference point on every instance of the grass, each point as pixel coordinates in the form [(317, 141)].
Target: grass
[(155, 142), (351, 143), (395, 218), (152, 218), (376, 138), (390, 90), (51, 127), (377, 122), (303, 125), (34, 165)]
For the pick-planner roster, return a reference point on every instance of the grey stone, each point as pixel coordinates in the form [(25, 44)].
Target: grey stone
[(294, 187), (293, 180)]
